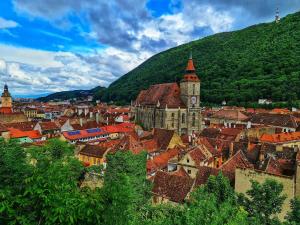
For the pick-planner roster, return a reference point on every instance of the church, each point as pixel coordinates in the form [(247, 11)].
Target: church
[(6, 101), (171, 106), (7, 115)]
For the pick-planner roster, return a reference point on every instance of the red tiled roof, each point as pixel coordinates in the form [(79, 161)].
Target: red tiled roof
[(172, 187), (282, 137), (49, 126), (197, 156), (119, 128), (163, 137), (161, 95), (3, 128), (231, 114), (238, 160), (24, 126), (205, 172), (181, 172), (33, 134), (94, 151), (278, 120), (161, 161)]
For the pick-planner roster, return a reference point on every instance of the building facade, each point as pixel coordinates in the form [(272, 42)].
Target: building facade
[(171, 106)]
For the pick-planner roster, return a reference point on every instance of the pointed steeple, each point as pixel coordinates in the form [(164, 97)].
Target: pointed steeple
[(190, 66), (6, 92), (190, 71)]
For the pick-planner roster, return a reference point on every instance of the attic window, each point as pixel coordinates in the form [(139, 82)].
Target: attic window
[(187, 160), (189, 171)]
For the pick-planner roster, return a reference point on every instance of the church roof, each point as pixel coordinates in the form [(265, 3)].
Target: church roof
[(161, 95)]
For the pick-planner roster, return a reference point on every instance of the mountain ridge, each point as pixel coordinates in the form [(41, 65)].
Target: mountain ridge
[(260, 61)]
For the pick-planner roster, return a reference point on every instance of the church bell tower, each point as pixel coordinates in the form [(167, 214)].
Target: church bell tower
[(190, 86), (6, 101)]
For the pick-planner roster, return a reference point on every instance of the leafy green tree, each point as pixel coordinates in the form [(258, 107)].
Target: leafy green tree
[(210, 205), (126, 190), (293, 217), (264, 202)]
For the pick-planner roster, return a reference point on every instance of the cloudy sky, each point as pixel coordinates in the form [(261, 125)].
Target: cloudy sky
[(53, 45)]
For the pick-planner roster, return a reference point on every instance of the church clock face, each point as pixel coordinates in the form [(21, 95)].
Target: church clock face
[(193, 100)]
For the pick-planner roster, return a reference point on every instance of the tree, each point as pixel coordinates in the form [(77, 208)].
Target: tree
[(126, 189), (264, 202), (210, 205), (293, 217)]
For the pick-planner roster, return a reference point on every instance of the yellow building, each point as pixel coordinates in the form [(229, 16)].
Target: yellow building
[(92, 155), (243, 184)]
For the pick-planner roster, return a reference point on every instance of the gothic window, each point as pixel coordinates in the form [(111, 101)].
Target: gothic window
[(162, 120), (173, 119), (193, 89), (194, 119), (183, 118)]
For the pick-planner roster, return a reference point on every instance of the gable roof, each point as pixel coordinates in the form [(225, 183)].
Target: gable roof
[(282, 137), (161, 161), (171, 186), (205, 172), (24, 126), (238, 160), (49, 126), (161, 95), (33, 134), (163, 137), (231, 114), (93, 150), (278, 120)]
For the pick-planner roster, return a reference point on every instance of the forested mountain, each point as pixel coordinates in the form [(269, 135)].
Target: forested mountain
[(65, 95), (261, 61)]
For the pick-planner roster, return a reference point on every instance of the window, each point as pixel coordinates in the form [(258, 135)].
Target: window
[(189, 171), (183, 118), (193, 89), (194, 119), (187, 160)]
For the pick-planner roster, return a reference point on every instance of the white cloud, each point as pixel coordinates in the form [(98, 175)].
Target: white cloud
[(30, 71), (6, 24)]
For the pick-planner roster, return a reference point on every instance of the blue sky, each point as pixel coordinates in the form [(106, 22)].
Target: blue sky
[(54, 45)]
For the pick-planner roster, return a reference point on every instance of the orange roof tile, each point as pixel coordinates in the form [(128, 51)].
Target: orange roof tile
[(282, 137), (33, 134)]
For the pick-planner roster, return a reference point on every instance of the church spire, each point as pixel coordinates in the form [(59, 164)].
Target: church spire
[(190, 71), (190, 66)]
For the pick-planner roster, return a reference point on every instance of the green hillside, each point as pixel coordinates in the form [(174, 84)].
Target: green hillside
[(65, 95), (261, 61)]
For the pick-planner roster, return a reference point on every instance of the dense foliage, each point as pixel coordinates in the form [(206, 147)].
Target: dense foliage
[(261, 61), (41, 185)]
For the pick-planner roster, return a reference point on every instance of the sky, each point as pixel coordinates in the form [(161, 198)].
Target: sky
[(48, 46)]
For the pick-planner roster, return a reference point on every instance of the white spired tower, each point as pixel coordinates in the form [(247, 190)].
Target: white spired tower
[(277, 17)]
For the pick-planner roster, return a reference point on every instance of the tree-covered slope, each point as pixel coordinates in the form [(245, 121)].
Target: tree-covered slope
[(65, 95), (262, 61)]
